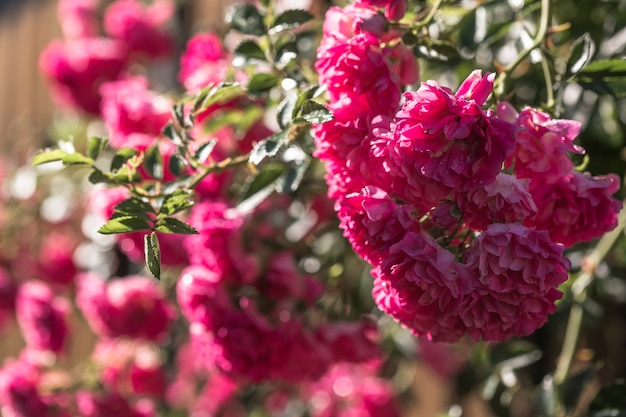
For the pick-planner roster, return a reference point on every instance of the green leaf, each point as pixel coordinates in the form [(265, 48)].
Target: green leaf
[(153, 254), (175, 203), (95, 146), (604, 77), (268, 175), (284, 111), (219, 94), (246, 18), (293, 178), (176, 164), (581, 52), (311, 92), (153, 162), (260, 83), (99, 177), (77, 159), (291, 19), (178, 111), (133, 207), (48, 155), (249, 49), (267, 147), (313, 112), (121, 157), (174, 225), (124, 224), (169, 131), (205, 150), (610, 397)]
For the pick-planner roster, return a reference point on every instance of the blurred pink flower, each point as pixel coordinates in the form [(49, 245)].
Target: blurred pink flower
[(75, 70), (204, 62), (42, 316), (133, 306), (78, 18), (107, 404), (141, 26), (19, 396)]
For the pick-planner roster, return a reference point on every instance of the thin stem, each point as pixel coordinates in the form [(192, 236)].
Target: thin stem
[(548, 79), (579, 292), (544, 21), (430, 15)]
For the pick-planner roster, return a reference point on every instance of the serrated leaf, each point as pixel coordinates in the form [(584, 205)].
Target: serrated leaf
[(99, 177), (219, 94), (205, 150), (153, 162), (178, 111), (48, 155), (152, 253), (134, 206), (174, 225), (291, 19), (303, 97), (121, 156), (284, 111), (267, 147), (246, 18), (268, 175), (77, 159), (249, 49), (313, 112), (95, 146), (175, 203), (124, 224), (260, 83)]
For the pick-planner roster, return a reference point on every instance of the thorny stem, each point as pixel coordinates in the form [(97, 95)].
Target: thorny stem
[(544, 21), (579, 288)]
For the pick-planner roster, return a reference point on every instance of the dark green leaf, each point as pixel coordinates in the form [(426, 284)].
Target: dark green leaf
[(99, 177), (284, 111), (604, 77), (153, 162), (219, 94), (205, 150), (286, 53), (267, 147), (249, 49), (176, 164), (121, 156), (246, 18), (124, 224), (175, 203), (174, 225), (153, 254), (313, 112), (311, 92), (268, 175), (48, 155), (169, 131), (291, 19), (134, 206), (611, 397), (77, 159), (178, 111), (95, 146), (260, 83)]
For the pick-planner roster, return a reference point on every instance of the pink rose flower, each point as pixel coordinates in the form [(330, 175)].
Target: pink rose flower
[(422, 286), (56, 259), (134, 115), (141, 26), (201, 295), (576, 208), (133, 306), (517, 271), (542, 144), (394, 9), (446, 141), (360, 70), (19, 396), (506, 200), (78, 18), (42, 316), (76, 69), (355, 342), (372, 222), (106, 404), (204, 62), (8, 293)]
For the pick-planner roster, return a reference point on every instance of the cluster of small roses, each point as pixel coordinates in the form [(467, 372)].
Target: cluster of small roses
[(462, 212)]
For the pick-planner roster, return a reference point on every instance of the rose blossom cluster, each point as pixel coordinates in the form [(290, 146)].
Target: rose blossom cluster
[(462, 212)]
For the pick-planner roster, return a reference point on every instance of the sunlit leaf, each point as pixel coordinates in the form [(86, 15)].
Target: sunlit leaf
[(95, 146), (48, 155), (153, 254), (174, 225), (249, 49), (267, 147), (124, 224)]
